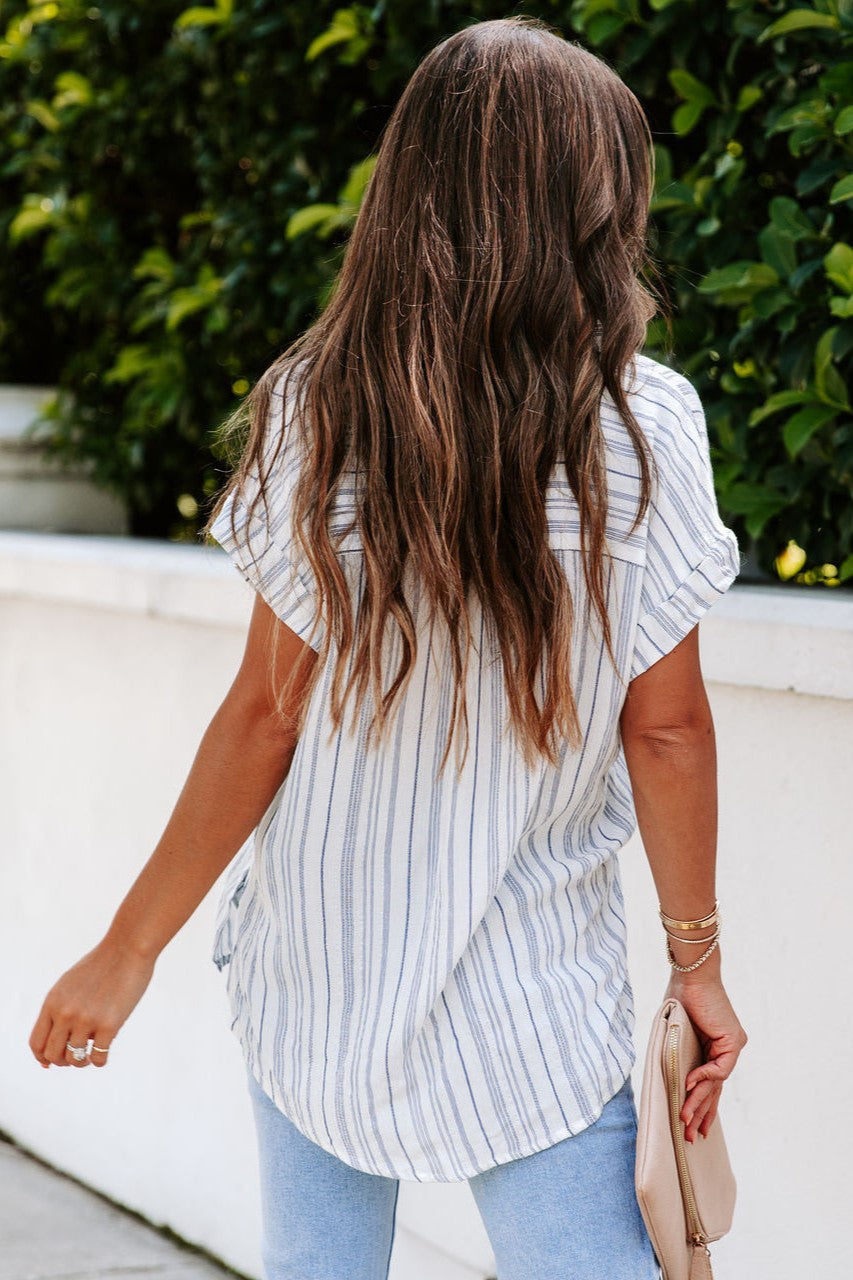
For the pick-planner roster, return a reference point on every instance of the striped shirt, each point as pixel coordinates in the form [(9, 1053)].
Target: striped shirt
[(428, 975)]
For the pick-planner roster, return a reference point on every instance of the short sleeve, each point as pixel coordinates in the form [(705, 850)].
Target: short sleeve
[(263, 549), (692, 558)]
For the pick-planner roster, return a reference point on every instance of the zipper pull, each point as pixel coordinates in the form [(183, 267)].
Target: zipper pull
[(700, 1260)]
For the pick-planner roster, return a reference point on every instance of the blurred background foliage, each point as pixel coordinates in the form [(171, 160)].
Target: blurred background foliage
[(177, 186)]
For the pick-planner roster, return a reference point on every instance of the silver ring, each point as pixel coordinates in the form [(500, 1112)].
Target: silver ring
[(96, 1049), (78, 1052)]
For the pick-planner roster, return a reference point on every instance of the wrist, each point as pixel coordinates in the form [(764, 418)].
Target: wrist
[(122, 942), (707, 971)]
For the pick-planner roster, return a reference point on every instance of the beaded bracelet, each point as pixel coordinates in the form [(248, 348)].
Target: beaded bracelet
[(687, 968)]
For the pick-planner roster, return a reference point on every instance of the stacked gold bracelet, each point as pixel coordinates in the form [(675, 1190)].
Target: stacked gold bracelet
[(670, 922)]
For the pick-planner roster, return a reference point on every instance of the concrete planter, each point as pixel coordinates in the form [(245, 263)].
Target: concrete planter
[(38, 492)]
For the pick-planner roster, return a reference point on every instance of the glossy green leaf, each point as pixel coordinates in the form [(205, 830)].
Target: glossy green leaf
[(757, 503), (738, 281), (799, 429), (780, 400), (829, 383), (687, 116), (32, 218), (787, 216), (841, 307), (687, 86), (778, 251), (844, 121), (838, 264), (201, 16), (842, 190), (344, 27), (748, 96), (799, 20), (313, 215)]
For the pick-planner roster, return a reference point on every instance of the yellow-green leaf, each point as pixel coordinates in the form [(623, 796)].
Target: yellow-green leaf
[(72, 90), (688, 87), (40, 111), (132, 361), (198, 16), (798, 20), (359, 176), (838, 264), (155, 263), (687, 116), (27, 223), (343, 27), (313, 215), (844, 121), (842, 190), (748, 96)]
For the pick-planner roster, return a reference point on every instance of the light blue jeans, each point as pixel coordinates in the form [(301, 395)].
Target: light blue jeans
[(569, 1212)]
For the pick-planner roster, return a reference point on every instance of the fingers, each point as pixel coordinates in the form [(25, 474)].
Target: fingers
[(710, 1116), (695, 1102), (49, 1042), (38, 1037), (102, 1042), (54, 1048), (715, 1070), (699, 1109)]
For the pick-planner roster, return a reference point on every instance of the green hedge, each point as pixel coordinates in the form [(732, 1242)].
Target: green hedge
[(149, 157), (176, 186), (752, 214)]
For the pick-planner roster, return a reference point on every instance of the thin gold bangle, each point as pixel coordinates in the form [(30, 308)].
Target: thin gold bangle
[(693, 942), (689, 924)]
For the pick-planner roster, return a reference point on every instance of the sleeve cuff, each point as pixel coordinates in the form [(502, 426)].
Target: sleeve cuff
[(273, 576), (659, 631)]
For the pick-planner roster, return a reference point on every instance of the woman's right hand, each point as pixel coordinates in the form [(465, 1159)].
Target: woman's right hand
[(722, 1037), (91, 1000)]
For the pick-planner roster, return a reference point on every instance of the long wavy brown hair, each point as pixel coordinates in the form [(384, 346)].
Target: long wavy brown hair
[(490, 291)]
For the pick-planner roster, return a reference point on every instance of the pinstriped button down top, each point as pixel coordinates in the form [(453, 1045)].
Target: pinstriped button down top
[(429, 976)]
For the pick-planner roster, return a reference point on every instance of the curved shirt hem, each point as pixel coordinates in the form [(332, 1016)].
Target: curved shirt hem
[(557, 1133)]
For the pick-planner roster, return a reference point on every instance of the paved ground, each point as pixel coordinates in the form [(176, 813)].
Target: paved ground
[(52, 1228)]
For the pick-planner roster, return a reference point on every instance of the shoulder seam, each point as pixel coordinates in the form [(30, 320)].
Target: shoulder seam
[(679, 387)]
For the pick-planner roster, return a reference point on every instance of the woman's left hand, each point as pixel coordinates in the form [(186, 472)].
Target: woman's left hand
[(92, 999)]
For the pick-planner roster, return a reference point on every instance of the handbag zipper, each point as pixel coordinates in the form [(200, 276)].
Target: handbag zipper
[(694, 1226)]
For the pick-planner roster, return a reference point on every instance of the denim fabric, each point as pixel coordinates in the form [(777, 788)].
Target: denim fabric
[(566, 1213)]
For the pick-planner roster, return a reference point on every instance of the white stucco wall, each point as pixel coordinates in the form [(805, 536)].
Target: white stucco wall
[(114, 655)]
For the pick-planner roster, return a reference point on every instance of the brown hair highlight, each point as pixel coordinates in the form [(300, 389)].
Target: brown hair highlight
[(490, 292)]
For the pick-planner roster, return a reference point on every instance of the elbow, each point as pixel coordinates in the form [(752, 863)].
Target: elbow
[(253, 715), (673, 740)]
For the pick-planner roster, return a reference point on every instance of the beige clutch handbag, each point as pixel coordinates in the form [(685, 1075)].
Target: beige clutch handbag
[(686, 1191)]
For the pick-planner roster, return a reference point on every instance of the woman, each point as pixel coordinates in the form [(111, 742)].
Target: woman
[(482, 531)]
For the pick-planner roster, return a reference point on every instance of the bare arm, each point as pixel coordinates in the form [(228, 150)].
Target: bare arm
[(242, 759), (670, 749)]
